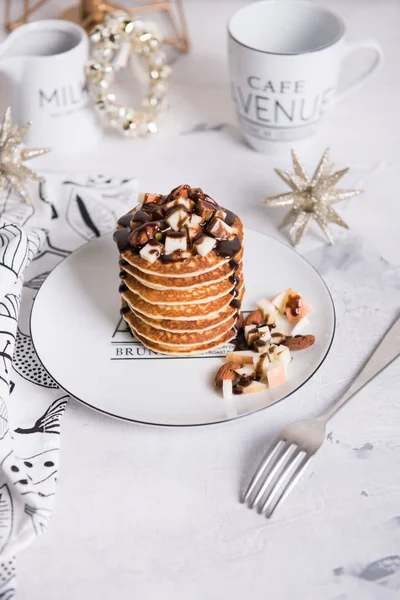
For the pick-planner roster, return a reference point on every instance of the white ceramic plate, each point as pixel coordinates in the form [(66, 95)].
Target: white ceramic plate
[(84, 344)]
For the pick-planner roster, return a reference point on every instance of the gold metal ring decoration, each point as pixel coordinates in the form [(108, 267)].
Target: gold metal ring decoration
[(113, 43)]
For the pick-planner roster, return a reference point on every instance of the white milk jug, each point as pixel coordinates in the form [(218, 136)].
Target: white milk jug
[(44, 63)]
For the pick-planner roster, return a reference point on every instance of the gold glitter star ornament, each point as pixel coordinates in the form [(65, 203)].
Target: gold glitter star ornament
[(13, 154), (311, 198)]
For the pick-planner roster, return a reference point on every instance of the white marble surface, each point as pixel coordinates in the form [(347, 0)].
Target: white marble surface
[(153, 513)]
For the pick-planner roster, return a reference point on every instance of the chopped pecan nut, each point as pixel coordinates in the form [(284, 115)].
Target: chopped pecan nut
[(226, 371), (299, 342), (254, 318)]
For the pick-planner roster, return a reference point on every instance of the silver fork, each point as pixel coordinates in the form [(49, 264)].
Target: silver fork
[(289, 457)]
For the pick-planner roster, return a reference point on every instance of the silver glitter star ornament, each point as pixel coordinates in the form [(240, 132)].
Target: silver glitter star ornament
[(311, 198), (13, 154)]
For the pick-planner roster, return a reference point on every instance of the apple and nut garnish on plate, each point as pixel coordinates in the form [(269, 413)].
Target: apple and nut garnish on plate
[(265, 349)]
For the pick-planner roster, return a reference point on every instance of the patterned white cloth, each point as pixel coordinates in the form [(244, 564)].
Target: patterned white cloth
[(66, 212)]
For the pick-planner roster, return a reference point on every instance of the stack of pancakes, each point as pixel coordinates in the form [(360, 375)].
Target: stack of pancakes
[(183, 302)]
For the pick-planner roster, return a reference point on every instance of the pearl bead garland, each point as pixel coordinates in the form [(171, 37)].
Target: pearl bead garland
[(112, 43)]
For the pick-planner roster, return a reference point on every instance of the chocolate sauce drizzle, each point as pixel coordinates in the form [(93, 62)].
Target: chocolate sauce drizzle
[(228, 248), (125, 220), (122, 237), (293, 304)]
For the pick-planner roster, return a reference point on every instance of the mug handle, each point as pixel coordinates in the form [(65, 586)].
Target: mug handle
[(376, 64)]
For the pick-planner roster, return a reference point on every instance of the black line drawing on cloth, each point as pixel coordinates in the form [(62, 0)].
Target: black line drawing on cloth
[(36, 239), (36, 474), (27, 364), (40, 517), (13, 248), (6, 516), (44, 198), (4, 354), (7, 594), (7, 574), (49, 422), (88, 216), (49, 248), (9, 306), (7, 340)]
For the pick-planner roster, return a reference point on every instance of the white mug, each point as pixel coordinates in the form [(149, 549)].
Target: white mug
[(44, 62), (285, 62)]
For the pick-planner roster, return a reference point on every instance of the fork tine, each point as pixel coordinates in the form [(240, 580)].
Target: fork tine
[(262, 466), (289, 485), (290, 467), (272, 472)]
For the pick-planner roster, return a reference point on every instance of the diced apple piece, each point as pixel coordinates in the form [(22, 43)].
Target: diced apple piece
[(252, 336), (204, 245), (175, 241), (276, 373), (194, 232), (279, 301), (194, 227), (300, 326), (254, 387), (151, 251), (277, 336), (250, 333), (181, 201), (283, 353), (272, 352), (178, 218), (296, 306), (268, 311), (242, 357), (260, 346), (246, 370), (194, 220), (264, 333), (205, 209), (185, 202), (262, 364), (219, 229), (227, 390)]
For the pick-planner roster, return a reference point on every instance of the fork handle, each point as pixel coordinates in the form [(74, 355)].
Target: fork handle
[(384, 354)]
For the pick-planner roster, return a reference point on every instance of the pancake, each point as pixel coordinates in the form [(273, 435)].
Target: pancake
[(187, 350), (199, 295), (196, 265), (180, 312), (182, 339), (188, 326), (175, 283)]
